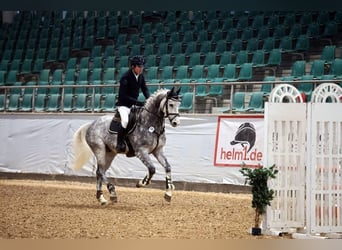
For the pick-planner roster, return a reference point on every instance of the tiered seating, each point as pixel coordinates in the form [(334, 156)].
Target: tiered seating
[(217, 46)]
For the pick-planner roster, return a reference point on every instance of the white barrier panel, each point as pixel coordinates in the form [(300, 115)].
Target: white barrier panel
[(285, 126), (304, 140), (324, 171)]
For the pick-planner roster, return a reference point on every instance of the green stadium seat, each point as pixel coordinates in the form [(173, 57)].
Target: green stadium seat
[(166, 73), (229, 73), (185, 85), (179, 60), (298, 69), (302, 43), (148, 48), (238, 104), (197, 73), (328, 53), (95, 79), (96, 63), (241, 57), (191, 47), (187, 102), (275, 57), (286, 45), (82, 79), (165, 60), (336, 68), (263, 32), (39, 102), (256, 103), (152, 72), (266, 88), (213, 72), (2, 102), (268, 44), (68, 103), (176, 48), (53, 103), (226, 58), (236, 45), (81, 103), (252, 44), (307, 87), (295, 30), (194, 59), (109, 103), (258, 59), (317, 68), (13, 102), (182, 73), (97, 102), (221, 46), (210, 58), (246, 72), (273, 21)]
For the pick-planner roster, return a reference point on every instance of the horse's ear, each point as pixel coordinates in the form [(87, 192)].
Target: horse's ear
[(169, 94)]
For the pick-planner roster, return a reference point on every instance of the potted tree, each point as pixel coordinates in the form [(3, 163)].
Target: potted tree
[(261, 194)]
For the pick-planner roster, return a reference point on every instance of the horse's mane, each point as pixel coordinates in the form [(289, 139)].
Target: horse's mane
[(155, 95)]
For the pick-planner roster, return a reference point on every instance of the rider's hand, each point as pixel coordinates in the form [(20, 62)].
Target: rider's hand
[(139, 103)]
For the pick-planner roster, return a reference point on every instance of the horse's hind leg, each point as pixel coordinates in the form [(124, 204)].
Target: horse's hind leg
[(103, 163), (110, 186), (99, 179)]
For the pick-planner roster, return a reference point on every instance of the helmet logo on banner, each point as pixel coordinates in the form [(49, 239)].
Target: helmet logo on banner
[(245, 135)]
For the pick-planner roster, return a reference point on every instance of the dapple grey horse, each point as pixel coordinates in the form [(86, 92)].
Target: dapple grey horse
[(146, 137)]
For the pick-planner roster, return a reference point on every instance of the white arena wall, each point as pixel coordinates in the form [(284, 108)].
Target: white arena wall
[(42, 144)]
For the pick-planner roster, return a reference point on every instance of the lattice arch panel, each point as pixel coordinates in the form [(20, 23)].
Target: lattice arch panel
[(304, 140)]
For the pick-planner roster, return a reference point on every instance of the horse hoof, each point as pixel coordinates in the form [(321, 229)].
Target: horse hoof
[(167, 197), (102, 200), (103, 203), (140, 184), (114, 199)]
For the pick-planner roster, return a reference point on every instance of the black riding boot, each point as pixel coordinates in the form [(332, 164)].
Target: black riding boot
[(121, 145)]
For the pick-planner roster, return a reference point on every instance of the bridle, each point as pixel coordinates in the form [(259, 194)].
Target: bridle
[(170, 116)]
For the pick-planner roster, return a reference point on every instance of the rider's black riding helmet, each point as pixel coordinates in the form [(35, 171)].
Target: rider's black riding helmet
[(137, 61)]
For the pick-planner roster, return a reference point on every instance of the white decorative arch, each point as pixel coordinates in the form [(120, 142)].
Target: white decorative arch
[(327, 90), (285, 93)]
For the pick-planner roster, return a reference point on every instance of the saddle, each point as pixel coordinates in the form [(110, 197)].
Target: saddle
[(115, 127)]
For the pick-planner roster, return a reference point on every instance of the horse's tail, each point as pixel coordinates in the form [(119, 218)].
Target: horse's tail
[(81, 148)]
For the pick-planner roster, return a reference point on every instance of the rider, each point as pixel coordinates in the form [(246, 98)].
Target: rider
[(130, 84)]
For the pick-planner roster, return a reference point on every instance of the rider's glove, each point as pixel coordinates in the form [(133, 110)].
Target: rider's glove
[(139, 103)]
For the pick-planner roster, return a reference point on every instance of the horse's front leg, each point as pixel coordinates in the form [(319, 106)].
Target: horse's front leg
[(169, 185), (145, 158)]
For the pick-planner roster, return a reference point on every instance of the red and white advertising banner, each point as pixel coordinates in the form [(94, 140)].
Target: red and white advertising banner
[(239, 139)]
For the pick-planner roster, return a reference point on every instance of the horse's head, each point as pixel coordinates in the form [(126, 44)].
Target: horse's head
[(171, 105)]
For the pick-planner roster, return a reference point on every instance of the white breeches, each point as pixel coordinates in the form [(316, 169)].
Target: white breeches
[(124, 113)]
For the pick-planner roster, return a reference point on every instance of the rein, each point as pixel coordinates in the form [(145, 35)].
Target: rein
[(167, 114)]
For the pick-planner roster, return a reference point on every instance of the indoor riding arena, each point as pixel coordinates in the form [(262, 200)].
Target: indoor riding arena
[(229, 89)]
